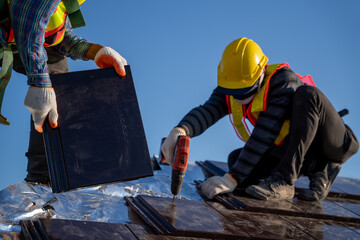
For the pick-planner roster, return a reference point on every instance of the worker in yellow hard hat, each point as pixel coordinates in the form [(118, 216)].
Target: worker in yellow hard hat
[(296, 130), (36, 38)]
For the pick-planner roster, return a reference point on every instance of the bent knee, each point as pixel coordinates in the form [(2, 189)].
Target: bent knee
[(307, 91), (308, 95)]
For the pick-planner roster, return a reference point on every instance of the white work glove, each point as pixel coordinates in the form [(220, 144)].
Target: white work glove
[(168, 147), (216, 185), (108, 57), (42, 102)]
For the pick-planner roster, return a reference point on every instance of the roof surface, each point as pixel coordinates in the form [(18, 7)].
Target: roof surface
[(228, 217)]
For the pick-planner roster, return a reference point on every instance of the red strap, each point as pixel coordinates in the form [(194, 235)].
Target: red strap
[(230, 114), (307, 80)]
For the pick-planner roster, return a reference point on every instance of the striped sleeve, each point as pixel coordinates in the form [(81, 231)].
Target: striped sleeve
[(73, 46), (282, 87)]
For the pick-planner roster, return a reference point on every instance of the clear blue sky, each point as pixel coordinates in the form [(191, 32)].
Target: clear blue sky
[(174, 48)]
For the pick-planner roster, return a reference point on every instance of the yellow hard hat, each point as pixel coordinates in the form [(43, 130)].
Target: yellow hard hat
[(241, 65)]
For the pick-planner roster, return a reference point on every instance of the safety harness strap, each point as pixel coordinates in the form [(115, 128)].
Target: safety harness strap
[(75, 16), (6, 55)]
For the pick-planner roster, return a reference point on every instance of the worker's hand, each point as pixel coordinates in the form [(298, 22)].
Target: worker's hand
[(42, 102), (216, 185), (108, 57), (168, 147)]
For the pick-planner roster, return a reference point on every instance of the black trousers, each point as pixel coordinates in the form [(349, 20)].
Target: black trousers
[(317, 136), (37, 165), (317, 133)]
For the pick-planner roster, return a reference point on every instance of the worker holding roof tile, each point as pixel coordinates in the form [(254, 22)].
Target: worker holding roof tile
[(296, 129), (36, 38)]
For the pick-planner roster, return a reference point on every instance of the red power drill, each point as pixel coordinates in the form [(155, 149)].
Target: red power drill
[(181, 157)]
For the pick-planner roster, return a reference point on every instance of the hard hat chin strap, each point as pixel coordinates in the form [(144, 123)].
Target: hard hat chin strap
[(261, 79)]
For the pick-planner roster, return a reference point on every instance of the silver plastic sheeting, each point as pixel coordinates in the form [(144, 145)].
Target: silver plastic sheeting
[(102, 203)]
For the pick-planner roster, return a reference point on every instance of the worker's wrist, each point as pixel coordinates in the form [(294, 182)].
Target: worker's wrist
[(181, 130), (93, 50), (184, 129), (232, 178), (39, 80)]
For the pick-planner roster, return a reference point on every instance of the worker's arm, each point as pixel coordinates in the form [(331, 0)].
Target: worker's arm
[(78, 48), (267, 128), (73, 46), (201, 118), (196, 122), (29, 20)]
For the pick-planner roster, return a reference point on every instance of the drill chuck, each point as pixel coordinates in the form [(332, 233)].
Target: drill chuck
[(177, 179)]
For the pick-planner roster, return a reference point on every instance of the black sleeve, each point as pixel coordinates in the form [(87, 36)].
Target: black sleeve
[(202, 117), (279, 100)]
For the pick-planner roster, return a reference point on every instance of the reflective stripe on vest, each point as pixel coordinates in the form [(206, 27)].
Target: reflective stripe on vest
[(55, 30), (238, 113)]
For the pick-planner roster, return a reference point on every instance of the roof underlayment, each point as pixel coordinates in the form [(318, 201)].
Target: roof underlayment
[(227, 217), (103, 203)]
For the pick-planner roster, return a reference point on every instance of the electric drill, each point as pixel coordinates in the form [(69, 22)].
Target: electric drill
[(181, 157)]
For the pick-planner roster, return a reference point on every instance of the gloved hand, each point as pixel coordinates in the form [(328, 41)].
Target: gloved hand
[(42, 102), (108, 57), (216, 185), (168, 147)]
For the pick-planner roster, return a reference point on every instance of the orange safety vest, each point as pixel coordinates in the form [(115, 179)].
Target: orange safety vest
[(55, 30), (238, 113)]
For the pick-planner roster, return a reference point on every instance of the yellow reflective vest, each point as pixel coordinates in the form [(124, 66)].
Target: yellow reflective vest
[(55, 30), (238, 113)]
